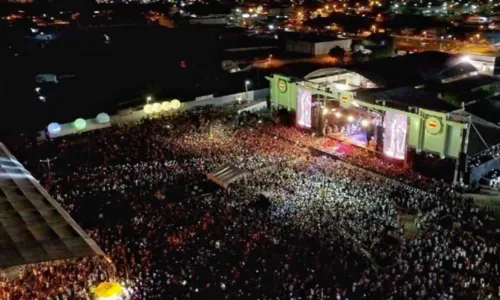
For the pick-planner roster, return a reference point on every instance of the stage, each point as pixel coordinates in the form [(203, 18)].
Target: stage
[(340, 145)]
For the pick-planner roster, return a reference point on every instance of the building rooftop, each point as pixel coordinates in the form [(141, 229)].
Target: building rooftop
[(413, 69), (465, 85), (400, 71), (405, 97), (33, 226)]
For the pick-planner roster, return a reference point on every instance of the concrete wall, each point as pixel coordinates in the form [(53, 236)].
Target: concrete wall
[(300, 47), (208, 21), (254, 108), (223, 100), (133, 116), (317, 49), (323, 48)]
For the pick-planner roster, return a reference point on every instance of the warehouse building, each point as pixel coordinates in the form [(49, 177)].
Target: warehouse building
[(315, 45)]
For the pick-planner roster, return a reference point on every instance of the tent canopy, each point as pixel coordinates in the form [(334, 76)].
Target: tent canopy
[(226, 175), (33, 226)]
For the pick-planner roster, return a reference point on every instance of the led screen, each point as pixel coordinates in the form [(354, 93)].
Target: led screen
[(395, 128), (304, 100)]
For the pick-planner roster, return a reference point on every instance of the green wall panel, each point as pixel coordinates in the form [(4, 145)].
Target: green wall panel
[(414, 131)]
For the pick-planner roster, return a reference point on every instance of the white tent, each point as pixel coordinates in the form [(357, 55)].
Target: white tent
[(226, 175)]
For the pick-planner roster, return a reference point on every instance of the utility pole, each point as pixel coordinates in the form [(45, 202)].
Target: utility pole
[(48, 161)]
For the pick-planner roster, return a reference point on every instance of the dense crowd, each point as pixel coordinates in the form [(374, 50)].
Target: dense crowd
[(328, 231), (355, 156), (482, 157), (492, 179), (67, 279)]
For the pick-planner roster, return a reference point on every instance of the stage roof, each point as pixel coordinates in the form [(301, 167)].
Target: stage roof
[(391, 72), (404, 97), (487, 109), (33, 226), (413, 69)]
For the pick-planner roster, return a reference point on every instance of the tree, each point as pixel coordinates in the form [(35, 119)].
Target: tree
[(381, 44), (337, 53)]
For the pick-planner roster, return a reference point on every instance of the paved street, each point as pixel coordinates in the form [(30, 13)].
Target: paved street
[(452, 46)]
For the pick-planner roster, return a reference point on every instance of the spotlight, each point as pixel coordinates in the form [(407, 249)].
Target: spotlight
[(325, 111), (465, 59), (338, 114), (350, 118), (365, 123)]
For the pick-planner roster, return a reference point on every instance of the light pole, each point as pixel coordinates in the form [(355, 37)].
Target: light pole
[(149, 99), (247, 83), (48, 161)]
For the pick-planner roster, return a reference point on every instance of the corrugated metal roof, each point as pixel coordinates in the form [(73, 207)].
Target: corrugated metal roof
[(391, 72), (33, 226), (404, 97)]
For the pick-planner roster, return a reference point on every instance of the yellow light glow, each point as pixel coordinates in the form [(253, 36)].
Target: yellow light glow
[(176, 104), (108, 290), (338, 114), (350, 118), (365, 123), (166, 106), (148, 108), (156, 107)]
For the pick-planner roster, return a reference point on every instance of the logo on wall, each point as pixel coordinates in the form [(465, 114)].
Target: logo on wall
[(282, 86), (433, 125), (345, 100)]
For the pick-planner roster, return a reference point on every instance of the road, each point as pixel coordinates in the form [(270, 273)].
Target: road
[(402, 43), (279, 62), (445, 45)]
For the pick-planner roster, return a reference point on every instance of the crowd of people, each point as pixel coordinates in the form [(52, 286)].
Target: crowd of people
[(328, 230), (482, 157), (65, 280), (355, 156)]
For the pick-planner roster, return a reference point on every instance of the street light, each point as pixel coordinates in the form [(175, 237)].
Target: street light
[(247, 83), (149, 99)]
